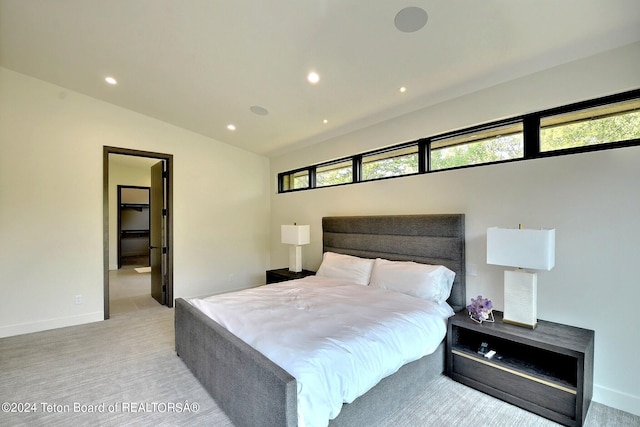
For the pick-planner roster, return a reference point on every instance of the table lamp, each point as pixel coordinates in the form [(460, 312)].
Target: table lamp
[(295, 235), (524, 249)]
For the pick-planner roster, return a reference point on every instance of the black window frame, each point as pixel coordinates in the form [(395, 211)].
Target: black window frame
[(388, 150), (307, 169), (587, 106), (498, 124), (336, 162), (531, 144)]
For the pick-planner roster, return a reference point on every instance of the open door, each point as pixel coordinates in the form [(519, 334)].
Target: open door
[(163, 263), (157, 229)]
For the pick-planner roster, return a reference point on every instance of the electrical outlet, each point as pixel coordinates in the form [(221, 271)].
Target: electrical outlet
[(78, 299)]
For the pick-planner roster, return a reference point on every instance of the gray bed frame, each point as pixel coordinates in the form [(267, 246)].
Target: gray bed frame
[(254, 392)]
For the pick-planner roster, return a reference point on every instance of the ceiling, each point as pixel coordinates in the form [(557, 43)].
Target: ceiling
[(202, 64)]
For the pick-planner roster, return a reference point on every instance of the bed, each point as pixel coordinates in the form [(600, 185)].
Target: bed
[(254, 391)]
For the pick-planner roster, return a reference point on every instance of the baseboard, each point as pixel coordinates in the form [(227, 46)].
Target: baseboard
[(617, 399), (44, 325)]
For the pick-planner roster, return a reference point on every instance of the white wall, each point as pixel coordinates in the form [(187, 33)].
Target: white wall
[(51, 142), (591, 199)]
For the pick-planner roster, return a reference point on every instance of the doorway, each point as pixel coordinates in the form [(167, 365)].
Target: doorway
[(163, 245)]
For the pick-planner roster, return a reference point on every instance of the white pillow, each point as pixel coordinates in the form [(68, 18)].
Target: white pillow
[(429, 282), (351, 268)]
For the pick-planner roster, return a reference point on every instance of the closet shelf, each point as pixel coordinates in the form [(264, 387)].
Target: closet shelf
[(134, 233), (137, 206)]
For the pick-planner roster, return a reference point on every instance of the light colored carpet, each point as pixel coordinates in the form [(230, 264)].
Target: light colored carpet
[(128, 363)]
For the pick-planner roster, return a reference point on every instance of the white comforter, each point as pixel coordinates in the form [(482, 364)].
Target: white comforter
[(337, 339)]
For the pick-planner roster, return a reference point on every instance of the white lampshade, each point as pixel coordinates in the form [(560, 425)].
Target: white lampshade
[(295, 234), (521, 248)]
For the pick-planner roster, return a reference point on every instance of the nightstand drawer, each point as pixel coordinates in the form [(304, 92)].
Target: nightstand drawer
[(276, 278), (519, 385), (283, 274)]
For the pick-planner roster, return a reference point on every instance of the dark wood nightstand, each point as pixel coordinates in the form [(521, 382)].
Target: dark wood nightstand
[(548, 370), (283, 274)]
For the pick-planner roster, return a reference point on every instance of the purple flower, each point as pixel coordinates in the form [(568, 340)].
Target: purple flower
[(480, 308)]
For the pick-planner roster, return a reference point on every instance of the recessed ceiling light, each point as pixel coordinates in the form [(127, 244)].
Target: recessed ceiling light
[(411, 19), (313, 77), (110, 80), (231, 127), (325, 121), (261, 111), (403, 89)]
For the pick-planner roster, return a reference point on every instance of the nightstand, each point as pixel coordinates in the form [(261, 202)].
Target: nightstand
[(548, 370), (283, 274)]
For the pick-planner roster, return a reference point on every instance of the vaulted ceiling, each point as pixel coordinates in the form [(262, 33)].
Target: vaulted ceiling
[(205, 64)]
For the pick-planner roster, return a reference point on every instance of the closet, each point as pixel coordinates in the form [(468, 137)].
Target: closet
[(133, 226)]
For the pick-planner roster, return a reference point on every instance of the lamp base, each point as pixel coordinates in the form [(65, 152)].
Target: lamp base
[(521, 298), (295, 258)]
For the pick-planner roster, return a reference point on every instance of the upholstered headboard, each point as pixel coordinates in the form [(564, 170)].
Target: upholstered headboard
[(427, 239)]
